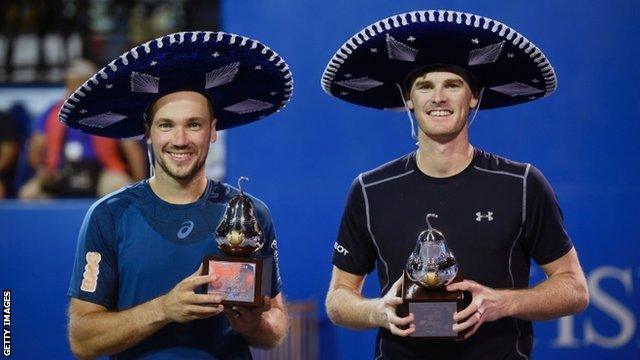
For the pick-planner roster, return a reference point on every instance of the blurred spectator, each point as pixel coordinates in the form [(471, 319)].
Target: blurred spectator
[(9, 148), (69, 163)]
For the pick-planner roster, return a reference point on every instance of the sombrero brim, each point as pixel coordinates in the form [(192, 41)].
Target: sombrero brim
[(245, 79), (369, 68)]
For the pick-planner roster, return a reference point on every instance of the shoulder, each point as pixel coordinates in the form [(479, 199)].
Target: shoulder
[(117, 202), (499, 165), (403, 165)]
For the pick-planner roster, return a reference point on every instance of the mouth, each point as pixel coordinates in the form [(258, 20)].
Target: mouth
[(439, 112), (180, 156)]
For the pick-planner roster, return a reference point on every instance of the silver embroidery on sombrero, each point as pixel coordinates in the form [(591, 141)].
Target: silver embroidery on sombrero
[(221, 76), (516, 89), (360, 84), (102, 120), (399, 51), (487, 54), (248, 106), (144, 83), (430, 16)]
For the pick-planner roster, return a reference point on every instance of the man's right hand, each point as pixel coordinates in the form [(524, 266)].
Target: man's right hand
[(386, 312), (182, 304)]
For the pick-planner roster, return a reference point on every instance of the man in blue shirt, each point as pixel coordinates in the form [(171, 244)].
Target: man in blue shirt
[(134, 289)]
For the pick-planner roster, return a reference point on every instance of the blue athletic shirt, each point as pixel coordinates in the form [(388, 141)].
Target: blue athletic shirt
[(146, 246), (496, 216)]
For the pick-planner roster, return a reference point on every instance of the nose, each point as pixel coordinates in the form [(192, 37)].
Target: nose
[(180, 138), (438, 95)]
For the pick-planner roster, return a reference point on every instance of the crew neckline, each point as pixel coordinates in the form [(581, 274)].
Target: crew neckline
[(165, 203), (444, 180)]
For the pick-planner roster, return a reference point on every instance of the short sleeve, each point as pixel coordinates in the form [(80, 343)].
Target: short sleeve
[(95, 271), (270, 247), (546, 237), (353, 250)]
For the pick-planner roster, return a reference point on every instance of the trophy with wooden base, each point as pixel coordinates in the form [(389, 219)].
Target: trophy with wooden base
[(431, 267), (243, 276)]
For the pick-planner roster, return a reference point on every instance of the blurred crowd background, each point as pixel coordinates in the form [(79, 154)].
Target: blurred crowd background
[(47, 50)]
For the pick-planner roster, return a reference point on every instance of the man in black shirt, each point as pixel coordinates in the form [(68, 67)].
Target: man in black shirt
[(497, 214)]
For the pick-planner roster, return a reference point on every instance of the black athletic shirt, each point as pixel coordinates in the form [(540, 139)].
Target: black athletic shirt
[(496, 215)]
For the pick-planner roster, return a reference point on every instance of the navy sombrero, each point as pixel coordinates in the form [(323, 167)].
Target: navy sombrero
[(245, 80), (368, 69)]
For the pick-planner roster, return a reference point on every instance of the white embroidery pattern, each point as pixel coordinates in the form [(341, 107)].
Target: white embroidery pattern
[(221, 76), (399, 51), (144, 83), (487, 54), (248, 106), (516, 89), (101, 121), (360, 84)]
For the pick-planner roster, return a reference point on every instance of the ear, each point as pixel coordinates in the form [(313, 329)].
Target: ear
[(214, 132), (410, 104), (148, 141), (473, 103)]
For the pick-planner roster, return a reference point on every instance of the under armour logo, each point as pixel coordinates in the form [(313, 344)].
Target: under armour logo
[(185, 230), (480, 216)]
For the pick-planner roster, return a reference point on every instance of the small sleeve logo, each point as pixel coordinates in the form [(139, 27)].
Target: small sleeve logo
[(91, 271)]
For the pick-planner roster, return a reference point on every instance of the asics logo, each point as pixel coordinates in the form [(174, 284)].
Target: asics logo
[(480, 216), (185, 230)]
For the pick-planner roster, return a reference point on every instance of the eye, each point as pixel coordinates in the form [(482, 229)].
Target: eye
[(195, 126), (165, 126)]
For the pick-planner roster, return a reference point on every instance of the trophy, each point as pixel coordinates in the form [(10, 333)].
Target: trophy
[(243, 276), (430, 267)]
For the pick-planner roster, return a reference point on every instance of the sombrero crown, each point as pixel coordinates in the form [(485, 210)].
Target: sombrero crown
[(245, 80), (371, 66)]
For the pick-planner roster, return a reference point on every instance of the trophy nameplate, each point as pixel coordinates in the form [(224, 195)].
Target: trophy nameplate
[(243, 280), (430, 268), (433, 310), (242, 275)]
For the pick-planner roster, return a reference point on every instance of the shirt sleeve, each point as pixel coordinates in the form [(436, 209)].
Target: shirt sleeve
[(353, 250), (95, 271), (546, 237), (270, 248)]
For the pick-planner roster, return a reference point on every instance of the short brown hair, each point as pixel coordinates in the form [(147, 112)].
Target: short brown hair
[(422, 71)]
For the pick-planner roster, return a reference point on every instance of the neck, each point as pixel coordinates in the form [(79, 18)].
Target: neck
[(443, 158), (176, 191)]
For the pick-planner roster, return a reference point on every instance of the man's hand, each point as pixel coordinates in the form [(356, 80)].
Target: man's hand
[(246, 320), (487, 305), (386, 312), (182, 304)]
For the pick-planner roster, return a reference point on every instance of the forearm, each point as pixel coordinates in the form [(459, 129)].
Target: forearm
[(102, 333), (272, 330), (557, 296), (347, 308)]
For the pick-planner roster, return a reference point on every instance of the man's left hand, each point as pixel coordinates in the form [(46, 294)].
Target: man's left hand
[(246, 320), (487, 305)]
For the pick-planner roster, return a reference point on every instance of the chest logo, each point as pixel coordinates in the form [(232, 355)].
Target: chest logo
[(484, 216), (185, 230)]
